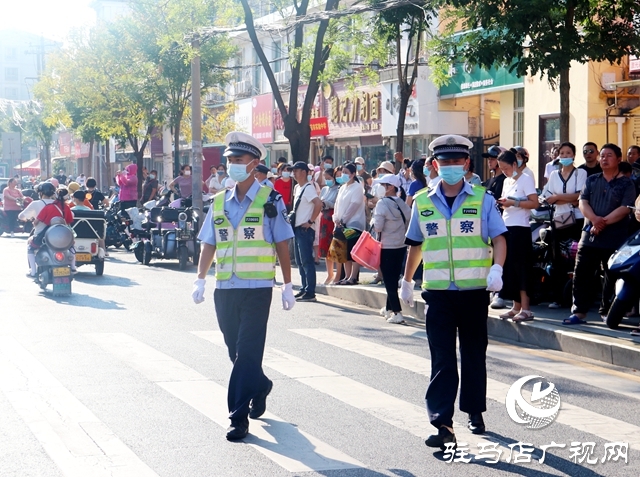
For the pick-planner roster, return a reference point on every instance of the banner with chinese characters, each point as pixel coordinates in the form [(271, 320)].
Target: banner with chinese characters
[(466, 80), (262, 118), (353, 113), (319, 127)]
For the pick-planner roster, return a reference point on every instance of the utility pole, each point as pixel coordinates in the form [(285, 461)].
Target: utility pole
[(196, 124)]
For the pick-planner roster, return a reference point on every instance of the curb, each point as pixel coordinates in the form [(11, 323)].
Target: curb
[(542, 333)]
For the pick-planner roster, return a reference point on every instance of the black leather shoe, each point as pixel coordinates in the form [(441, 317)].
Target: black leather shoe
[(443, 437), (238, 430), (299, 294), (258, 404), (476, 423)]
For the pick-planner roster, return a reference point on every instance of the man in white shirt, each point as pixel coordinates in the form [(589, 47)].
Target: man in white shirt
[(306, 208), (46, 190)]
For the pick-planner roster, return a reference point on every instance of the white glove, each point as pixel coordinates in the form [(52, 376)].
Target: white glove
[(288, 300), (406, 292), (494, 279), (198, 291)]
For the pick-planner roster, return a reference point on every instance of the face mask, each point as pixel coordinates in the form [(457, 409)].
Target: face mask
[(286, 174), (451, 174), (359, 167), (187, 173), (220, 173), (426, 171), (238, 172), (341, 179), (566, 161), (152, 176), (327, 165), (520, 161), (329, 182), (379, 190), (309, 177), (274, 170)]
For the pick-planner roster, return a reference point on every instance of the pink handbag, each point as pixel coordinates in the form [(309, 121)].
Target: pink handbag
[(367, 251)]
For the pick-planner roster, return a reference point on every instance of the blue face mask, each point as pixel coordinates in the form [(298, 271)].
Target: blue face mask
[(327, 165), (426, 171), (309, 177), (329, 182), (452, 174), (220, 173), (359, 167), (286, 174), (566, 161), (341, 179), (520, 161), (238, 172), (274, 170)]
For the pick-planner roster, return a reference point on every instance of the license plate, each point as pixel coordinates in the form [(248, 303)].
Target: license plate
[(83, 257), (61, 272), (185, 236)]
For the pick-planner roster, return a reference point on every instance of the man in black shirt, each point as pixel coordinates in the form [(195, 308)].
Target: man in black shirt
[(61, 178), (495, 182), (94, 195), (590, 154)]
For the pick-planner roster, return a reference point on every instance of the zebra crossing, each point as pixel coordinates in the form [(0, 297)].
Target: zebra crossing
[(80, 444)]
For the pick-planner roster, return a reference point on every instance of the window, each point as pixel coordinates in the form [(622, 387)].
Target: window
[(277, 55), (238, 70), (518, 116), (11, 74), (257, 74), (11, 53), (11, 93)]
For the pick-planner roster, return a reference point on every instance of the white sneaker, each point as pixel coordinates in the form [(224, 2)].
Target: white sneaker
[(396, 318), (384, 313), (11, 235), (497, 302), (554, 305)]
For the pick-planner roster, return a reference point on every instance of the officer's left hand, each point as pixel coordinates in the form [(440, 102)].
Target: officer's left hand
[(494, 279), (288, 300)]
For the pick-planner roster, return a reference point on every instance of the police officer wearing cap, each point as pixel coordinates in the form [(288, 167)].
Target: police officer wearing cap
[(261, 173), (245, 228), (457, 231)]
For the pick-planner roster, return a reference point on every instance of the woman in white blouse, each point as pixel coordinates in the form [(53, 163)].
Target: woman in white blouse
[(349, 212), (562, 191)]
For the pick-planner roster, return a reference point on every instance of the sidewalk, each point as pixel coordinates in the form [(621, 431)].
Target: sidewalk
[(593, 340)]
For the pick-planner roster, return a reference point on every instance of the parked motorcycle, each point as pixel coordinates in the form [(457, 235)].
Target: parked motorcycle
[(53, 260), (624, 265), (116, 234), (19, 227)]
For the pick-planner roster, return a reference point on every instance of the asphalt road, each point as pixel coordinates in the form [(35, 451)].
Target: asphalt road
[(128, 377)]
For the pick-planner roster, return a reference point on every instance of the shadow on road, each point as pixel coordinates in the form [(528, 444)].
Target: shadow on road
[(84, 301), (90, 277)]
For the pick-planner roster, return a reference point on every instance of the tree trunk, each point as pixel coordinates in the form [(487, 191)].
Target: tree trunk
[(140, 163), (90, 159), (299, 139), (564, 105), (47, 158), (176, 148)]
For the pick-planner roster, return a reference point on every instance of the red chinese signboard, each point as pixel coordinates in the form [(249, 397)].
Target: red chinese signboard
[(64, 141), (634, 64), (319, 127), (262, 118)]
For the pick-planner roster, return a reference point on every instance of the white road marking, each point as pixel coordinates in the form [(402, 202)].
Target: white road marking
[(607, 428), (280, 441), (75, 439), (387, 408)]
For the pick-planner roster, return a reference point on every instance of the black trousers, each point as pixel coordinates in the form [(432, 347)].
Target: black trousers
[(391, 260), (242, 316), (585, 279), (461, 313)]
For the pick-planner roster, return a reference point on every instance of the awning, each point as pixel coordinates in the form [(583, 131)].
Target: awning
[(31, 166), (625, 84)]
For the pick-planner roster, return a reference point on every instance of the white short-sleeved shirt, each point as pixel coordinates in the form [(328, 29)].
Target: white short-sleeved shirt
[(574, 185), (528, 172), (351, 200), (519, 188), (305, 209), (549, 168)]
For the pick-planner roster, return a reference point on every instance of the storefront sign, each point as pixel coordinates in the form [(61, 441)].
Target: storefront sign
[(278, 121), (634, 64), (466, 80), (319, 127), (353, 113), (262, 119), (64, 143), (80, 149), (391, 109), (244, 113)]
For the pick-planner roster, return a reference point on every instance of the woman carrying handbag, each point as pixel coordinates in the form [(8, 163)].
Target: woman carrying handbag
[(391, 220)]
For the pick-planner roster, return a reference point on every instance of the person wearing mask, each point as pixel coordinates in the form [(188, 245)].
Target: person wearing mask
[(431, 173), (12, 198), (363, 175), (306, 208), (405, 175), (455, 290), (385, 167), (61, 177), (284, 184), (562, 191), (127, 180), (217, 178), (391, 220), (150, 187), (522, 158), (81, 180), (591, 154), (260, 172), (328, 196), (46, 191), (471, 177), (603, 202), (94, 196), (184, 182), (350, 215), (244, 288), (496, 177), (519, 197), (418, 170)]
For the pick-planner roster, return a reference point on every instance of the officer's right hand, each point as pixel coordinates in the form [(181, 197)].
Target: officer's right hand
[(406, 292), (198, 291)]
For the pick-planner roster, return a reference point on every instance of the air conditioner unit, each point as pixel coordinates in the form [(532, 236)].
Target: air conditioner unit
[(243, 87), (607, 79), (283, 77)]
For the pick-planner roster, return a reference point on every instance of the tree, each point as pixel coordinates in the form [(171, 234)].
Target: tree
[(408, 22), (545, 36)]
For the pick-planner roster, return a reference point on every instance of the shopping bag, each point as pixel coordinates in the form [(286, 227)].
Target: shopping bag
[(367, 251)]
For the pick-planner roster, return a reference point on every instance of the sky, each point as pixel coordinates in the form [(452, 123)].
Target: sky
[(50, 18)]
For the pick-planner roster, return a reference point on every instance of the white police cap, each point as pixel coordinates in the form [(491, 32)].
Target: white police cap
[(450, 146), (239, 143)]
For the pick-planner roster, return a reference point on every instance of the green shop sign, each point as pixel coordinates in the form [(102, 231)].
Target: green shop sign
[(466, 80)]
